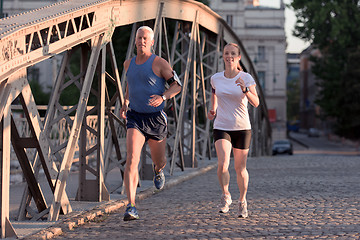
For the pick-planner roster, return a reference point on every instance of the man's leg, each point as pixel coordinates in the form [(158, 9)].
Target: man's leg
[(157, 149), (134, 143)]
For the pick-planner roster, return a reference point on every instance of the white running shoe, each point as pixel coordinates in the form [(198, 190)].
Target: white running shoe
[(225, 203), (243, 212)]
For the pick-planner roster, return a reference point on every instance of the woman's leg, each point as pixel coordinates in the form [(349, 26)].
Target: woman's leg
[(242, 175), (223, 151)]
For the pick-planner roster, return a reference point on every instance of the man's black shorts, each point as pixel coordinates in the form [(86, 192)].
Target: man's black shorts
[(151, 125), (239, 138)]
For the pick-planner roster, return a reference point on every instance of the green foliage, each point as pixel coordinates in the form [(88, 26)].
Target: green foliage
[(41, 97), (70, 95), (332, 27), (293, 99), (120, 41), (327, 22), (348, 123)]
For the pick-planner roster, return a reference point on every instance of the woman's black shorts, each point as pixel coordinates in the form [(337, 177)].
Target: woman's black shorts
[(239, 138)]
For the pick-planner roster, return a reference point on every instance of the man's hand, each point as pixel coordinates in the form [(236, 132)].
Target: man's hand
[(211, 114), (123, 111), (155, 100)]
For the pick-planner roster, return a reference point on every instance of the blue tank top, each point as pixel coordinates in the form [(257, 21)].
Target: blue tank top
[(142, 83)]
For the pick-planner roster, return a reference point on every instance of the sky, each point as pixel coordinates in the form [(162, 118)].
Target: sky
[(295, 45)]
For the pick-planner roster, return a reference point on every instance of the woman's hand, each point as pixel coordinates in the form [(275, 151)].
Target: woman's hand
[(211, 114), (240, 83)]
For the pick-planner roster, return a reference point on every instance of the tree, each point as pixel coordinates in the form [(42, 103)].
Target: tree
[(41, 97), (293, 99), (332, 27)]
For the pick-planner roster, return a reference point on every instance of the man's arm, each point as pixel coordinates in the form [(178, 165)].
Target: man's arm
[(167, 73), (173, 90), (171, 78), (125, 105)]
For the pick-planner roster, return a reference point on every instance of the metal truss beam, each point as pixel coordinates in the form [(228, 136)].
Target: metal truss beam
[(187, 33)]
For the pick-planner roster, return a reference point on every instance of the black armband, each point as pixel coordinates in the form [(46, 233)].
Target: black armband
[(174, 78), (213, 90)]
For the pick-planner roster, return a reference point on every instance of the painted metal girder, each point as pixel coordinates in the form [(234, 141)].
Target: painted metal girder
[(188, 34)]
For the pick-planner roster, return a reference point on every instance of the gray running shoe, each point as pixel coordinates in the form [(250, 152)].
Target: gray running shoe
[(130, 213), (243, 212), (225, 203), (159, 179)]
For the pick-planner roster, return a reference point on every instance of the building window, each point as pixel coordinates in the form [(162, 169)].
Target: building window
[(261, 78), (261, 53), (229, 20)]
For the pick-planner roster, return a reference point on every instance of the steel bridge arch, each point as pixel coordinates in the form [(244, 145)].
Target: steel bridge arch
[(86, 28)]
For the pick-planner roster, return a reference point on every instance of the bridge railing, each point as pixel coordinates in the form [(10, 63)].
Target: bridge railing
[(60, 131)]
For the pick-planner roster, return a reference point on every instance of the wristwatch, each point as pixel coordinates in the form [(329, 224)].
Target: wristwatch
[(163, 97), (246, 90)]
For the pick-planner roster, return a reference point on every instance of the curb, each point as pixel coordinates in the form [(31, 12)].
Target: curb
[(75, 219), (298, 141)]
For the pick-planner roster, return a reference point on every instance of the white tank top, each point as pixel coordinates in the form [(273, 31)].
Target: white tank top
[(232, 111)]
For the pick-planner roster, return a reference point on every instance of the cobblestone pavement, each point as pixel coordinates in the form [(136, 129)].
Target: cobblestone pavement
[(289, 197)]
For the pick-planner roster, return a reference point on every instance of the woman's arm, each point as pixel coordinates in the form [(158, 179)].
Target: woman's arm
[(213, 106), (252, 96)]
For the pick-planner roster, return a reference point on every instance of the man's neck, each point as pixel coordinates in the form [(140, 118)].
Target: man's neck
[(143, 56)]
